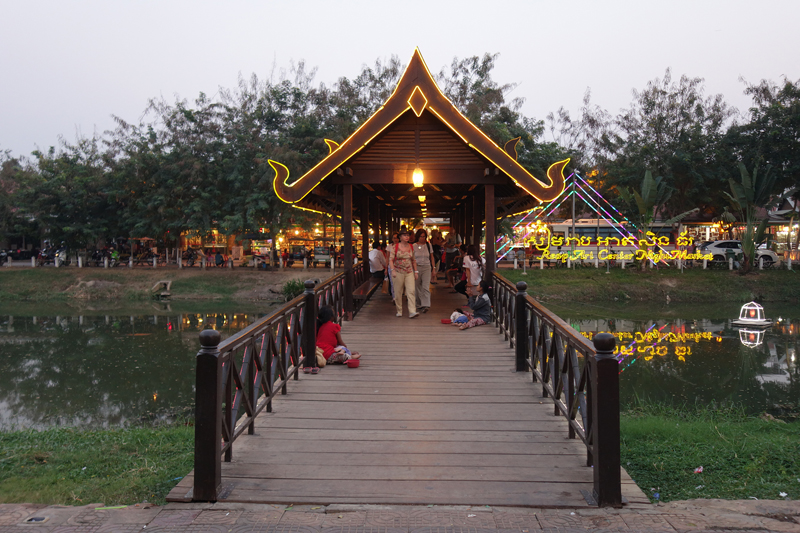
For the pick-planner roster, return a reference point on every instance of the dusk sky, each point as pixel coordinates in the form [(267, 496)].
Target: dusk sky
[(67, 67)]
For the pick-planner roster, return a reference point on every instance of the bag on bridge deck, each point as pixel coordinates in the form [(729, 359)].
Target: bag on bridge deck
[(321, 361), (385, 286)]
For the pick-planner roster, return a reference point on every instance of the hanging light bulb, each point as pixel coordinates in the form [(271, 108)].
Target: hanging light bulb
[(417, 177), (421, 198)]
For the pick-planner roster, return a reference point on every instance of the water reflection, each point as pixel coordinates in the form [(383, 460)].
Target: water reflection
[(704, 361), (102, 370)]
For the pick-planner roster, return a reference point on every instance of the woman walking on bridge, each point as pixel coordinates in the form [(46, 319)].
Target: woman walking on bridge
[(404, 275), (423, 253)]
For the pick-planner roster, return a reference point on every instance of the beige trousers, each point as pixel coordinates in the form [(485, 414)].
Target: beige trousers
[(404, 283)]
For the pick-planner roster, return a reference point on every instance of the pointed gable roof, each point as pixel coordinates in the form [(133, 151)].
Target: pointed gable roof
[(418, 91)]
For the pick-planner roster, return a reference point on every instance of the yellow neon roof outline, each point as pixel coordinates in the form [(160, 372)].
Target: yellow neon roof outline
[(448, 124), (501, 154), (383, 128), (514, 146), (277, 177), (412, 97), (332, 145)]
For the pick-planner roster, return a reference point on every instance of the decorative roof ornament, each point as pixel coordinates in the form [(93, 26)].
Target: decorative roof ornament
[(418, 91)]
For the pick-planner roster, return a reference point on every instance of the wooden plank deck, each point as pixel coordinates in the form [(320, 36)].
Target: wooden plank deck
[(433, 415)]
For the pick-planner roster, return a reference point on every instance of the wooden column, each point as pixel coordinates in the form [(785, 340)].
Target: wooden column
[(491, 218), (365, 240), (477, 219), (347, 255), (469, 220), (376, 222)]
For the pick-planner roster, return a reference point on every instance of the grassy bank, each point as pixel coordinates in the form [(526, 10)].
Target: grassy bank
[(741, 457), (122, 284), (552, 285), (72, 467), (661, 448), (661, 286)]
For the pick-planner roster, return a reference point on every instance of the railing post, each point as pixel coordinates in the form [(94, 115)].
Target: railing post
[(208, 419), (521, 327), (605, 423), (309, 340)]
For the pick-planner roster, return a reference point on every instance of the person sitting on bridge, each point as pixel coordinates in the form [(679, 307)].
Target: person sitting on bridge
[(481, 305), (329, 338)]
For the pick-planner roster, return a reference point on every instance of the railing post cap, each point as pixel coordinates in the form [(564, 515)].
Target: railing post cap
[(605, 342), (309, 284), (210, 338), (522, 286)]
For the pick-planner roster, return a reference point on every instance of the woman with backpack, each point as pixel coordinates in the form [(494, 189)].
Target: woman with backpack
[(404, 274)]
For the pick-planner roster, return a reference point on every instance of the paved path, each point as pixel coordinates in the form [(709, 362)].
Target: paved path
[(690, 516)]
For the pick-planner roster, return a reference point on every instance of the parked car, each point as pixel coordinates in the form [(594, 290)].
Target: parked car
[(720, 250), (321, 255)]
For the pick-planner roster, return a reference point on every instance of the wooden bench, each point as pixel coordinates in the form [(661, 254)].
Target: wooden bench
[(365, 290)]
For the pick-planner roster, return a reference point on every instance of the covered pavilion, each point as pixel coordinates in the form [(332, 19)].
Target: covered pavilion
[(418, 155)]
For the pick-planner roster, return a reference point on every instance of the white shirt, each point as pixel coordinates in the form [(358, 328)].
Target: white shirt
[(377, 261), (474, 269)]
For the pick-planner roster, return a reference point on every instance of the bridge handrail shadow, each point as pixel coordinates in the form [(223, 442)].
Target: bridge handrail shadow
[(552, 351), (240, 377)]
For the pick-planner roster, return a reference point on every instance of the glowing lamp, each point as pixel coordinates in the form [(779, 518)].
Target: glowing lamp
[(421, 198), (751, 338), (417, 177), (752, 312)]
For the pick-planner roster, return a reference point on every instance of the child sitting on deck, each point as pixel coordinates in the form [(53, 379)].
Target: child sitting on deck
[(329, 338), (481, 305)]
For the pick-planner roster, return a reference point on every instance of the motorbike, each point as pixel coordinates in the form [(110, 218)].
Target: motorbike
[(96, 258), (46, 255), (189, 257), (61, 257)]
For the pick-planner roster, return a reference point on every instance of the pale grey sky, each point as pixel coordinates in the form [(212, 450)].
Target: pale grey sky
[(67, 66)]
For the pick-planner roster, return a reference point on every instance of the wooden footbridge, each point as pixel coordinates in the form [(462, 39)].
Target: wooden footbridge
[(434, 415)]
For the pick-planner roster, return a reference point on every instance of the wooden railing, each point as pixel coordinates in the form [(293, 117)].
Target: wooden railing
[(586, 395), (240, 377)]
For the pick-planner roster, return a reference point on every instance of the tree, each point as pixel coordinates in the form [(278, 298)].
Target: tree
[(69, 196), (673, 130), (15, 178), (751, 197), (643, 206), (771, 136)]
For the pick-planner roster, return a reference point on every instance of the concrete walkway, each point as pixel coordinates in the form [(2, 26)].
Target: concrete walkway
[(693, 515)]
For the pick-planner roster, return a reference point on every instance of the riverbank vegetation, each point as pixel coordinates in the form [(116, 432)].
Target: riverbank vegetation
[(741, 457), (112, 466), (680, 454), (122, 284), (589, 284), (551, 286)]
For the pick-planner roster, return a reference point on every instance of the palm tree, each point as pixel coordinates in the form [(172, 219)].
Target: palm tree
[(750, 198), (643, 206)]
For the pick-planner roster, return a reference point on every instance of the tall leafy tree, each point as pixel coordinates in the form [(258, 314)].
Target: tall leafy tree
[(674, 130), (772, 134), (69, 198)]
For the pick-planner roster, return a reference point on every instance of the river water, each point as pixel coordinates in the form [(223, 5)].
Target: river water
[(111, 367)]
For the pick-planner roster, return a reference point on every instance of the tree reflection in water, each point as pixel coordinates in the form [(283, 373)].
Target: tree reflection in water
[(101, 370)]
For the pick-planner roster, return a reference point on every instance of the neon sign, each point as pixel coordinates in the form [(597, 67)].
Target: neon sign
[(543, 240)]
